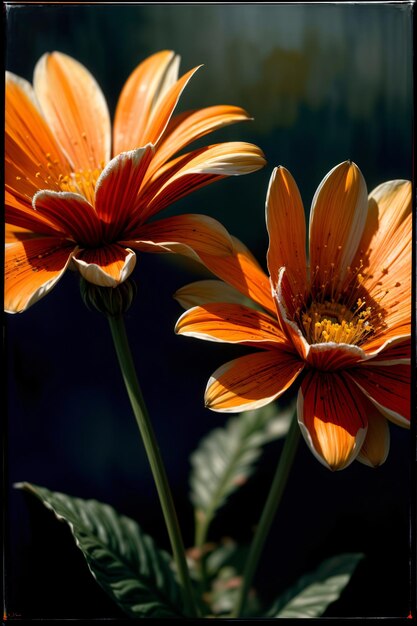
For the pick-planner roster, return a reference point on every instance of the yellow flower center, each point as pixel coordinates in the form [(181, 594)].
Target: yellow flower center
[(329, 321), (82, 182)]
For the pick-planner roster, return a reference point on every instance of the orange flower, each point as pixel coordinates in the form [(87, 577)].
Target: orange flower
[(70, 204), (339, 324)]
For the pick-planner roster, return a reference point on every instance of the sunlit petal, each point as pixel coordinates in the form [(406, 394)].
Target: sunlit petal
[(332, 419), (285, 222), (146, 86), (251, 381), (189, 126), (231, 323), (337, 219), (32, 269), (200, 233), (243, 272), (75, 109)]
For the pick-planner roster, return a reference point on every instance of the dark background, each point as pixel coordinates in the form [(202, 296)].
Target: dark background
[(324, 83)]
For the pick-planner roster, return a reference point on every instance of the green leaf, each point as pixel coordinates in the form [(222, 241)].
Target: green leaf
[(124, 560), (313, 593), (226, 458)]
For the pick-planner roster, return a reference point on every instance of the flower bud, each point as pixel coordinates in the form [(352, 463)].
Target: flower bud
[(113, 301)]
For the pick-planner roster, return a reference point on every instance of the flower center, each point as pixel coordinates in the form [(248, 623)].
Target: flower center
[(331, 321), (82, 182)]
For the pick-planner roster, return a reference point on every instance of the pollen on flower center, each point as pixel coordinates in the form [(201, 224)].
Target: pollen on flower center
[(329, 321), (82, 182)]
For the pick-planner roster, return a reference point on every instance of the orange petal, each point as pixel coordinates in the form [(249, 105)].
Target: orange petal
[(13, 234), (75, 108), (72, 213), (32, 268), (143, 90), (107, 266), (189, 126), (21, 214), (375, 448), (388, 388), (285, 222), (198, 168), (331, 417), (204, 291), (184, 234), (30, 145), (384, 253), (117, 189), (395, 350), (231, 323), (337, 218), (243, 272), (251, 381)]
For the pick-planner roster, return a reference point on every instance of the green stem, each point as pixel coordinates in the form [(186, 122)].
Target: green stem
[(274, 497), (127, 367)]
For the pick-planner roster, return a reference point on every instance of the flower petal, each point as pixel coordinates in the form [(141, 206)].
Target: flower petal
[(230, 323), (251, 381), (32, 269), (388, 388), (196, 169), (107, 266), (375, 448), (143, 90), (337, 218), (189, 126), (30, 146), (75, 108), (243, 272), (182, 234), (384, 253), (117, 189), (20, 213), (205, 291), (285, 222), (331, 417), (72, 213)]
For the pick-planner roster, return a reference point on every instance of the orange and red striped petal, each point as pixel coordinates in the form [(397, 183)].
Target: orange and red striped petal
[(243, 272), (32, 269), (388, 388), (394, 351), (332, 418), (337, 219), (118, 187), (251, 381), (72, 213), (230, 323), (20, 213), (184, 234), (375, 448), (75, 108), (107, 266), (184, 128), (286, 226), (145, 87), (203, 292)]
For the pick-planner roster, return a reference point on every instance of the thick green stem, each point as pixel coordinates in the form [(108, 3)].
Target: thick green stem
[(274, 497), (127, 367)]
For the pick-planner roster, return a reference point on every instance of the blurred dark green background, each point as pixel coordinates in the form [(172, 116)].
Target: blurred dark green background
[(324, 83)]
